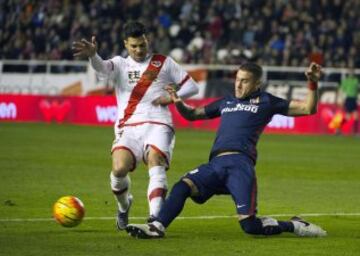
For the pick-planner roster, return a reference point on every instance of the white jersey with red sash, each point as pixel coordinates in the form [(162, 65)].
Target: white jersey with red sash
[(137, 85), (141, 126)]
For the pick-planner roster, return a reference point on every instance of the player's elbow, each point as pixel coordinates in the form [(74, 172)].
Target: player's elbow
[(188, 90), (193, 90)]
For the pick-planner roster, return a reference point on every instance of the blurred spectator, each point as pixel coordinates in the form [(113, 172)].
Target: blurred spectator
[(348, 92), (162, 41), (277, 32)]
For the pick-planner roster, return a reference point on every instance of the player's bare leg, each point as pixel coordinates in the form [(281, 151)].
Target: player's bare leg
[(122, 162)]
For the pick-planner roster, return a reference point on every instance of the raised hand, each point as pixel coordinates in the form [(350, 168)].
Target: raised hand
[(171, 89), (84, 48), (313, 73), (166, 100)]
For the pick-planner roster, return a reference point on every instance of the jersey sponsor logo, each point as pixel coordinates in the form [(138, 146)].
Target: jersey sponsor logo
[(241, 107), (8, 110), (133, 76), (156, 63), (106, 114)]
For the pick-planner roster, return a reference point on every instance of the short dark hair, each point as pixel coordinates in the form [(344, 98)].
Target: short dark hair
[(253, 68), (134, 29)]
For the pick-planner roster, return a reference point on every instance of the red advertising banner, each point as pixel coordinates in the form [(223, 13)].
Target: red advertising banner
[(101, 110)]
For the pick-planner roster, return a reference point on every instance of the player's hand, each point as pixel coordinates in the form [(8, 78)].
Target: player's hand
[(162, 100), (84, 48), (171, 89), (313, 73)]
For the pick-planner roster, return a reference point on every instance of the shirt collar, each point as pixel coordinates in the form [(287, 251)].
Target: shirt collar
[(252, 95), (147, 58)]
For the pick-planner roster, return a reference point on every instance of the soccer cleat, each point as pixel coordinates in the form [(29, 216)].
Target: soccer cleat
[(144, 231), (306, 229), (122, 219)]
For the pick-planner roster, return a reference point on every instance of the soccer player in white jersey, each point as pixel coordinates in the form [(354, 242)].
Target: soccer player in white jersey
[(144, 129)]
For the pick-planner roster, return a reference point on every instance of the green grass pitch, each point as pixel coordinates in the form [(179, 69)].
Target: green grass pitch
[(317, 176)]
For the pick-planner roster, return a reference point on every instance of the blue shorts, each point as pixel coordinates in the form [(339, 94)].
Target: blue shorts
[(350, 104), (229, 174)]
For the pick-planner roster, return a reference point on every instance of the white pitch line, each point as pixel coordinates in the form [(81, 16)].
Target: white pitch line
[(189, 218)]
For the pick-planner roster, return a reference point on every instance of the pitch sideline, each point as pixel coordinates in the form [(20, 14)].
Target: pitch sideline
[(190, 217)]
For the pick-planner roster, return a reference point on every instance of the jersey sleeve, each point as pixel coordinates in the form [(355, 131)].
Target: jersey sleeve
[(179, 76), (279, 105), (105, 68), (213, 109)]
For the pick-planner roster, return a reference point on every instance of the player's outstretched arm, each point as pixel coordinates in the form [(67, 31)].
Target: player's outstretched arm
[(84, 48), (188, 112), (309, 105)]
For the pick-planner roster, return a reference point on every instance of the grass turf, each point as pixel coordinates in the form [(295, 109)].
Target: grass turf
[(296, 175)]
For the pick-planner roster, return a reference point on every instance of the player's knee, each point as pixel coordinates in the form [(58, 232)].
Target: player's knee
[(122, 163), (194, 189), (155, 158), (155, 161), (121, 170), (181, 189)]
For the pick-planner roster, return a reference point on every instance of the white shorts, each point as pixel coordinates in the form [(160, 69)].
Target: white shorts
[(138, 139)]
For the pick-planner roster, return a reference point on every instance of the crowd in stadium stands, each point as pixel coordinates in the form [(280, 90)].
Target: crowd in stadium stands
[(276, 32)]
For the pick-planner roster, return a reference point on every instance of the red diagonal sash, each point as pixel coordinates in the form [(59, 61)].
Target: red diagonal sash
[(143, 85)]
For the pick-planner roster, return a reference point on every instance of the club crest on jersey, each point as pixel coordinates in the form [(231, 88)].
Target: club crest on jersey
[(156, 63), (255, 100)]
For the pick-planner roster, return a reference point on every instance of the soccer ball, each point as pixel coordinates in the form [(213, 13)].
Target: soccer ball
[(68, 211)]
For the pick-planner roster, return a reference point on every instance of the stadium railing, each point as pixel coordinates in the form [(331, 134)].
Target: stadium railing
[(37, 77)]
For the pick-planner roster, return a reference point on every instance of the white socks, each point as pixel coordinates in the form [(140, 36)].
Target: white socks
[(157, 189), (121, 187)]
